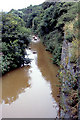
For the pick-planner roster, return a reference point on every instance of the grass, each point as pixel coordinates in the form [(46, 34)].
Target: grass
[(74, 51), (71, 33)]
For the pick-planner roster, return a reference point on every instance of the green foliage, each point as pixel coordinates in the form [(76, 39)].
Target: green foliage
[(15, 38), (46, 20), (74, 52), (30, 19), (57, 54), (73, 59), (76, 25), (30, 13), (49, 26), (69, 36)]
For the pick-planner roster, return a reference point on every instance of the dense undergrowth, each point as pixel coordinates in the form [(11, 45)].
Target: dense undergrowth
[(69, 72), (53, 22), (47, 21), (15, 38), (69, 94)]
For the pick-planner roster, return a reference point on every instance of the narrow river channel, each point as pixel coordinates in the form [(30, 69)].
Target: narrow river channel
[(31, 91)]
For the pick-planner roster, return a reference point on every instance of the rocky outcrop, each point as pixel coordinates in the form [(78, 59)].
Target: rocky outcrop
[(69, 84)]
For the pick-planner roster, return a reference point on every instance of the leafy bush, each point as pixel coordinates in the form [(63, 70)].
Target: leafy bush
[(47, 21), (69, 36), (73, 59), (49, 26), (57, 54), (15, 38), (74, 51)]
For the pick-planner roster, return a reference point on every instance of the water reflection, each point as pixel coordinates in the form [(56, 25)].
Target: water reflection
[(32, 89), (48, 70), (14, 83)]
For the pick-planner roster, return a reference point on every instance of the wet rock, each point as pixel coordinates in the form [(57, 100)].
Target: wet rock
[(34, 52), (29, 48), (27, 60), (35, 38)]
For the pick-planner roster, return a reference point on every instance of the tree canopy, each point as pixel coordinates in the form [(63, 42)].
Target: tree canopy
[(15, 38)]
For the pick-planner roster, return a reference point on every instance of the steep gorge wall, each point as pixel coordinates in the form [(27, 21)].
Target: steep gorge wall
[(69, 84)]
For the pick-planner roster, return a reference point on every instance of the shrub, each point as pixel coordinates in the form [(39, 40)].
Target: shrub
[(69, 36)]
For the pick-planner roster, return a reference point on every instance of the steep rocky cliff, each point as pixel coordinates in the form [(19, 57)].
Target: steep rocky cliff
[(69, 78)]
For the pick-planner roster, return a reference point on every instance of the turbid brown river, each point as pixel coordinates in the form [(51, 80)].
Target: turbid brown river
[(31, 91)]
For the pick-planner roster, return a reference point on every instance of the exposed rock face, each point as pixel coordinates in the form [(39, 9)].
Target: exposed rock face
[(69, 86)]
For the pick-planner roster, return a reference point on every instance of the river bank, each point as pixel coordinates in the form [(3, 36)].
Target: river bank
[(32, 90), (69, 83)]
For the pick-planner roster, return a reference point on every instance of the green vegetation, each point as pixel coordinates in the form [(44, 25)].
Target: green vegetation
[(47, 21), (53, 22), (15, 38), (69, 89), (74, 52)]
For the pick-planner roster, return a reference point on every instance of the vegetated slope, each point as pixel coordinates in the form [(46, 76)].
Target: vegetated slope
[(27, 14), (15, 38), (49, 26), (53, 23), (47, 21), (69, 71)]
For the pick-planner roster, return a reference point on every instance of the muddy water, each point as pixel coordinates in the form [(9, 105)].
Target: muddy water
[(31, 91)]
